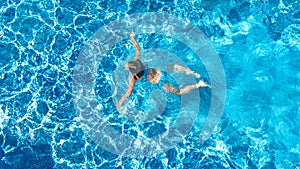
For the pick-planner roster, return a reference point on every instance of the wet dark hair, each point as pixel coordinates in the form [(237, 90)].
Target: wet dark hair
[(135, 67)]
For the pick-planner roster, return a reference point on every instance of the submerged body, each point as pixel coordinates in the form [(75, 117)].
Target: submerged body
[(155, 76)]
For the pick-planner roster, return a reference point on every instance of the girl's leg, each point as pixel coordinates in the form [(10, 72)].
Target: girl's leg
[(182, 69), (172, 89), (191, 87)]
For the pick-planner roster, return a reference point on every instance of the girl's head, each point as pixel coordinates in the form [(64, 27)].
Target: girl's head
[(135, 66)]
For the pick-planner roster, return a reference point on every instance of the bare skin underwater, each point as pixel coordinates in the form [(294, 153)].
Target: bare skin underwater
[(137, 70)]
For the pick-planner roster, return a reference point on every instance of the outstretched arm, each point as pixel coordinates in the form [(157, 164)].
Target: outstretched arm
[(128, 93), (136, 45)]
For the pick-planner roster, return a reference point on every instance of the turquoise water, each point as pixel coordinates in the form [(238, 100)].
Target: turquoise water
[(258, 43)]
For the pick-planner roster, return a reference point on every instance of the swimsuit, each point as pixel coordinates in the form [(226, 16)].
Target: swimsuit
[(146, 72), (139, 75)]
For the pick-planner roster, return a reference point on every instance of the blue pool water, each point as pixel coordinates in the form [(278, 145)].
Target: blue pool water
[(258, 43)]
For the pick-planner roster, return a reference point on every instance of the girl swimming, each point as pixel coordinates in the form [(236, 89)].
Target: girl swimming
[(155, 76)]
